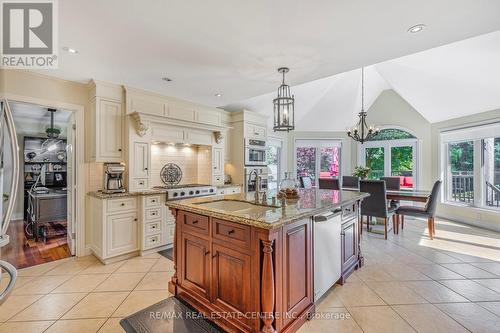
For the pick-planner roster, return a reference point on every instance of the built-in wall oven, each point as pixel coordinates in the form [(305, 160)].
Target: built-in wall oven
[(255, 152), (250, 178)]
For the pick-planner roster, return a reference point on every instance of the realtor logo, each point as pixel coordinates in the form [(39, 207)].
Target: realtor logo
[(29, 34)]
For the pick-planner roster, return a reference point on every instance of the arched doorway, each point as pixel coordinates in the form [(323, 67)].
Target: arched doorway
[(392, 153)]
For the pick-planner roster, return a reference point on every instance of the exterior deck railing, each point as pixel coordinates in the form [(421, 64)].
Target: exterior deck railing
[(492, 195), (462, 188)]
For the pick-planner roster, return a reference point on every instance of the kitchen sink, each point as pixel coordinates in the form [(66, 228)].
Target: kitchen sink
[(235, 206)]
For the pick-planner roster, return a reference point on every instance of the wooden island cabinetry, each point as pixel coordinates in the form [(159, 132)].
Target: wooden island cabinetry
[(250, 267), (244, 272)]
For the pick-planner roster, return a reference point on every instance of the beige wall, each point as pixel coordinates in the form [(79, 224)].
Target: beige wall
[(479, 217)]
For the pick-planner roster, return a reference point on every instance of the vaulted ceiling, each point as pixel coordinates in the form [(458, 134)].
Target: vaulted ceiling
[(442, 83)]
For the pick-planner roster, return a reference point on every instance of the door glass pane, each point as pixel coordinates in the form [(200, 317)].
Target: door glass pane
[(306, 162), (491, 168), (374, 158), (329, 162), (402, 165), (273, 164), (461, 172)]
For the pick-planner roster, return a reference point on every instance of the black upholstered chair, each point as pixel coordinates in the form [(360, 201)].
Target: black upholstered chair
[(329, 183), (393, 184), (305, 182), (376, 204), (350, 182), (428, 212)]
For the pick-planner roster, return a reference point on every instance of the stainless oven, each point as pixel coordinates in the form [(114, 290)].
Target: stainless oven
[(250, 178), (255, 152)]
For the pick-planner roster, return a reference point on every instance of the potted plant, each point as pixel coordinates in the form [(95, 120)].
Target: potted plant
[(361, 172)]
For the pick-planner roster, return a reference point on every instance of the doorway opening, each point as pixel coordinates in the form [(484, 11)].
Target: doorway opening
[(42, 224)]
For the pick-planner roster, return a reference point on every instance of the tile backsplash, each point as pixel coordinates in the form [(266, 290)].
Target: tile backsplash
[(194, 161)]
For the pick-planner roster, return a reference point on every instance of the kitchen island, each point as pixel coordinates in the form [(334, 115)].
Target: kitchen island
[(250, 267)]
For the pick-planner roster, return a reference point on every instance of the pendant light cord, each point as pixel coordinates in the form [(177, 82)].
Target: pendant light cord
[(362, 89)]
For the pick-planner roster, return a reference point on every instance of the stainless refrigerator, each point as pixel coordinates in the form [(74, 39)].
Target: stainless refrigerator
[(9, 152)]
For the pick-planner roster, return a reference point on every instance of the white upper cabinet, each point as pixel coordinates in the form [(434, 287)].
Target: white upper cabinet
[(104, 124), (141, 160), (255, 131), (110, 130), (218, 161)]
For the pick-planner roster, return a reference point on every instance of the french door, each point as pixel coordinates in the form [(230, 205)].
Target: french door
[(317, 159), (391, 158)]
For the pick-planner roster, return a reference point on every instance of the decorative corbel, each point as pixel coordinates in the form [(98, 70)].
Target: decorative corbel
[(218, 136), (140, 127)]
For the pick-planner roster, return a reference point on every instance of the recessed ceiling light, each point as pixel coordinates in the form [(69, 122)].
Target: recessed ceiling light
[(166, 79), (416, 28), (218, 95), (70, 50)]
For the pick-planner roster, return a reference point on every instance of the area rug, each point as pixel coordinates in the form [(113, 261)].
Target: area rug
[(170, 315), (168, 253)]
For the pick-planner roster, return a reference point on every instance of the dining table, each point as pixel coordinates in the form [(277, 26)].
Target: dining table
[(401, 195)]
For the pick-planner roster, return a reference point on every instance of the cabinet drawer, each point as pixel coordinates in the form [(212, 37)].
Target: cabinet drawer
[(152, 227), (194, 222), (120, 205), (231, 232), (152, 241), (140, 184), (153, 200), (349, 212), (153, 214)]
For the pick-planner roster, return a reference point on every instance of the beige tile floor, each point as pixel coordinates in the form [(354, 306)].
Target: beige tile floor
[(408, 284)]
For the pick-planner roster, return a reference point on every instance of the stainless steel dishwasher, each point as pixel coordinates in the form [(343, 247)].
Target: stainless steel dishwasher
[(327, 251)]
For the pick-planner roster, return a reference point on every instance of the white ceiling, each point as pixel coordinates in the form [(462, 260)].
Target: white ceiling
[(33, 119), (446, 82), (234, 47)]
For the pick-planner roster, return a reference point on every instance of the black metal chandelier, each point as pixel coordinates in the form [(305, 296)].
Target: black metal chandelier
[(284, 118), (362, 132)]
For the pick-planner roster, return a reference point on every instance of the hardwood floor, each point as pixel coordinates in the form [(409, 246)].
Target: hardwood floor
[(22, 252)]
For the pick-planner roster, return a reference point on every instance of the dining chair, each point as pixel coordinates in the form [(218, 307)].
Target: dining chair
[(376, 204), (350, 181), (428, 211), (305, 182), (394, 184), (329, 183)]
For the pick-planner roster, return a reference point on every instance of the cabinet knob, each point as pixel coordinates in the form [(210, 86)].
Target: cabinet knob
[(123, 204), (207, 253), (230, 232), (146, 169), (135, 219), (195, 222), (119, 149)]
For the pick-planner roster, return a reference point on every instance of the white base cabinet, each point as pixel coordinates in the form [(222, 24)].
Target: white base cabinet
[(155, 222), (113, 227), (228, 190)]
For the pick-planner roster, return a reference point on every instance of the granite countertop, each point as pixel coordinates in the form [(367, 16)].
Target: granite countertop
[(229, 185), (310, 203), (101, 195)]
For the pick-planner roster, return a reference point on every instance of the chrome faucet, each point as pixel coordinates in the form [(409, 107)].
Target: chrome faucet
[(257, 184)]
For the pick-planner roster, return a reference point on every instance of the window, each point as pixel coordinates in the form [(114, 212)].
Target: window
[(471, 166), (391, 153), (491, 170), (317, 159), (274, 166)]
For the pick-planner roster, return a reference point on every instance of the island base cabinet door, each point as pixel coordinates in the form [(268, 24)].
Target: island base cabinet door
[(349, 247), (195, 266), (121, 234), (231, 289), (297, 269)]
